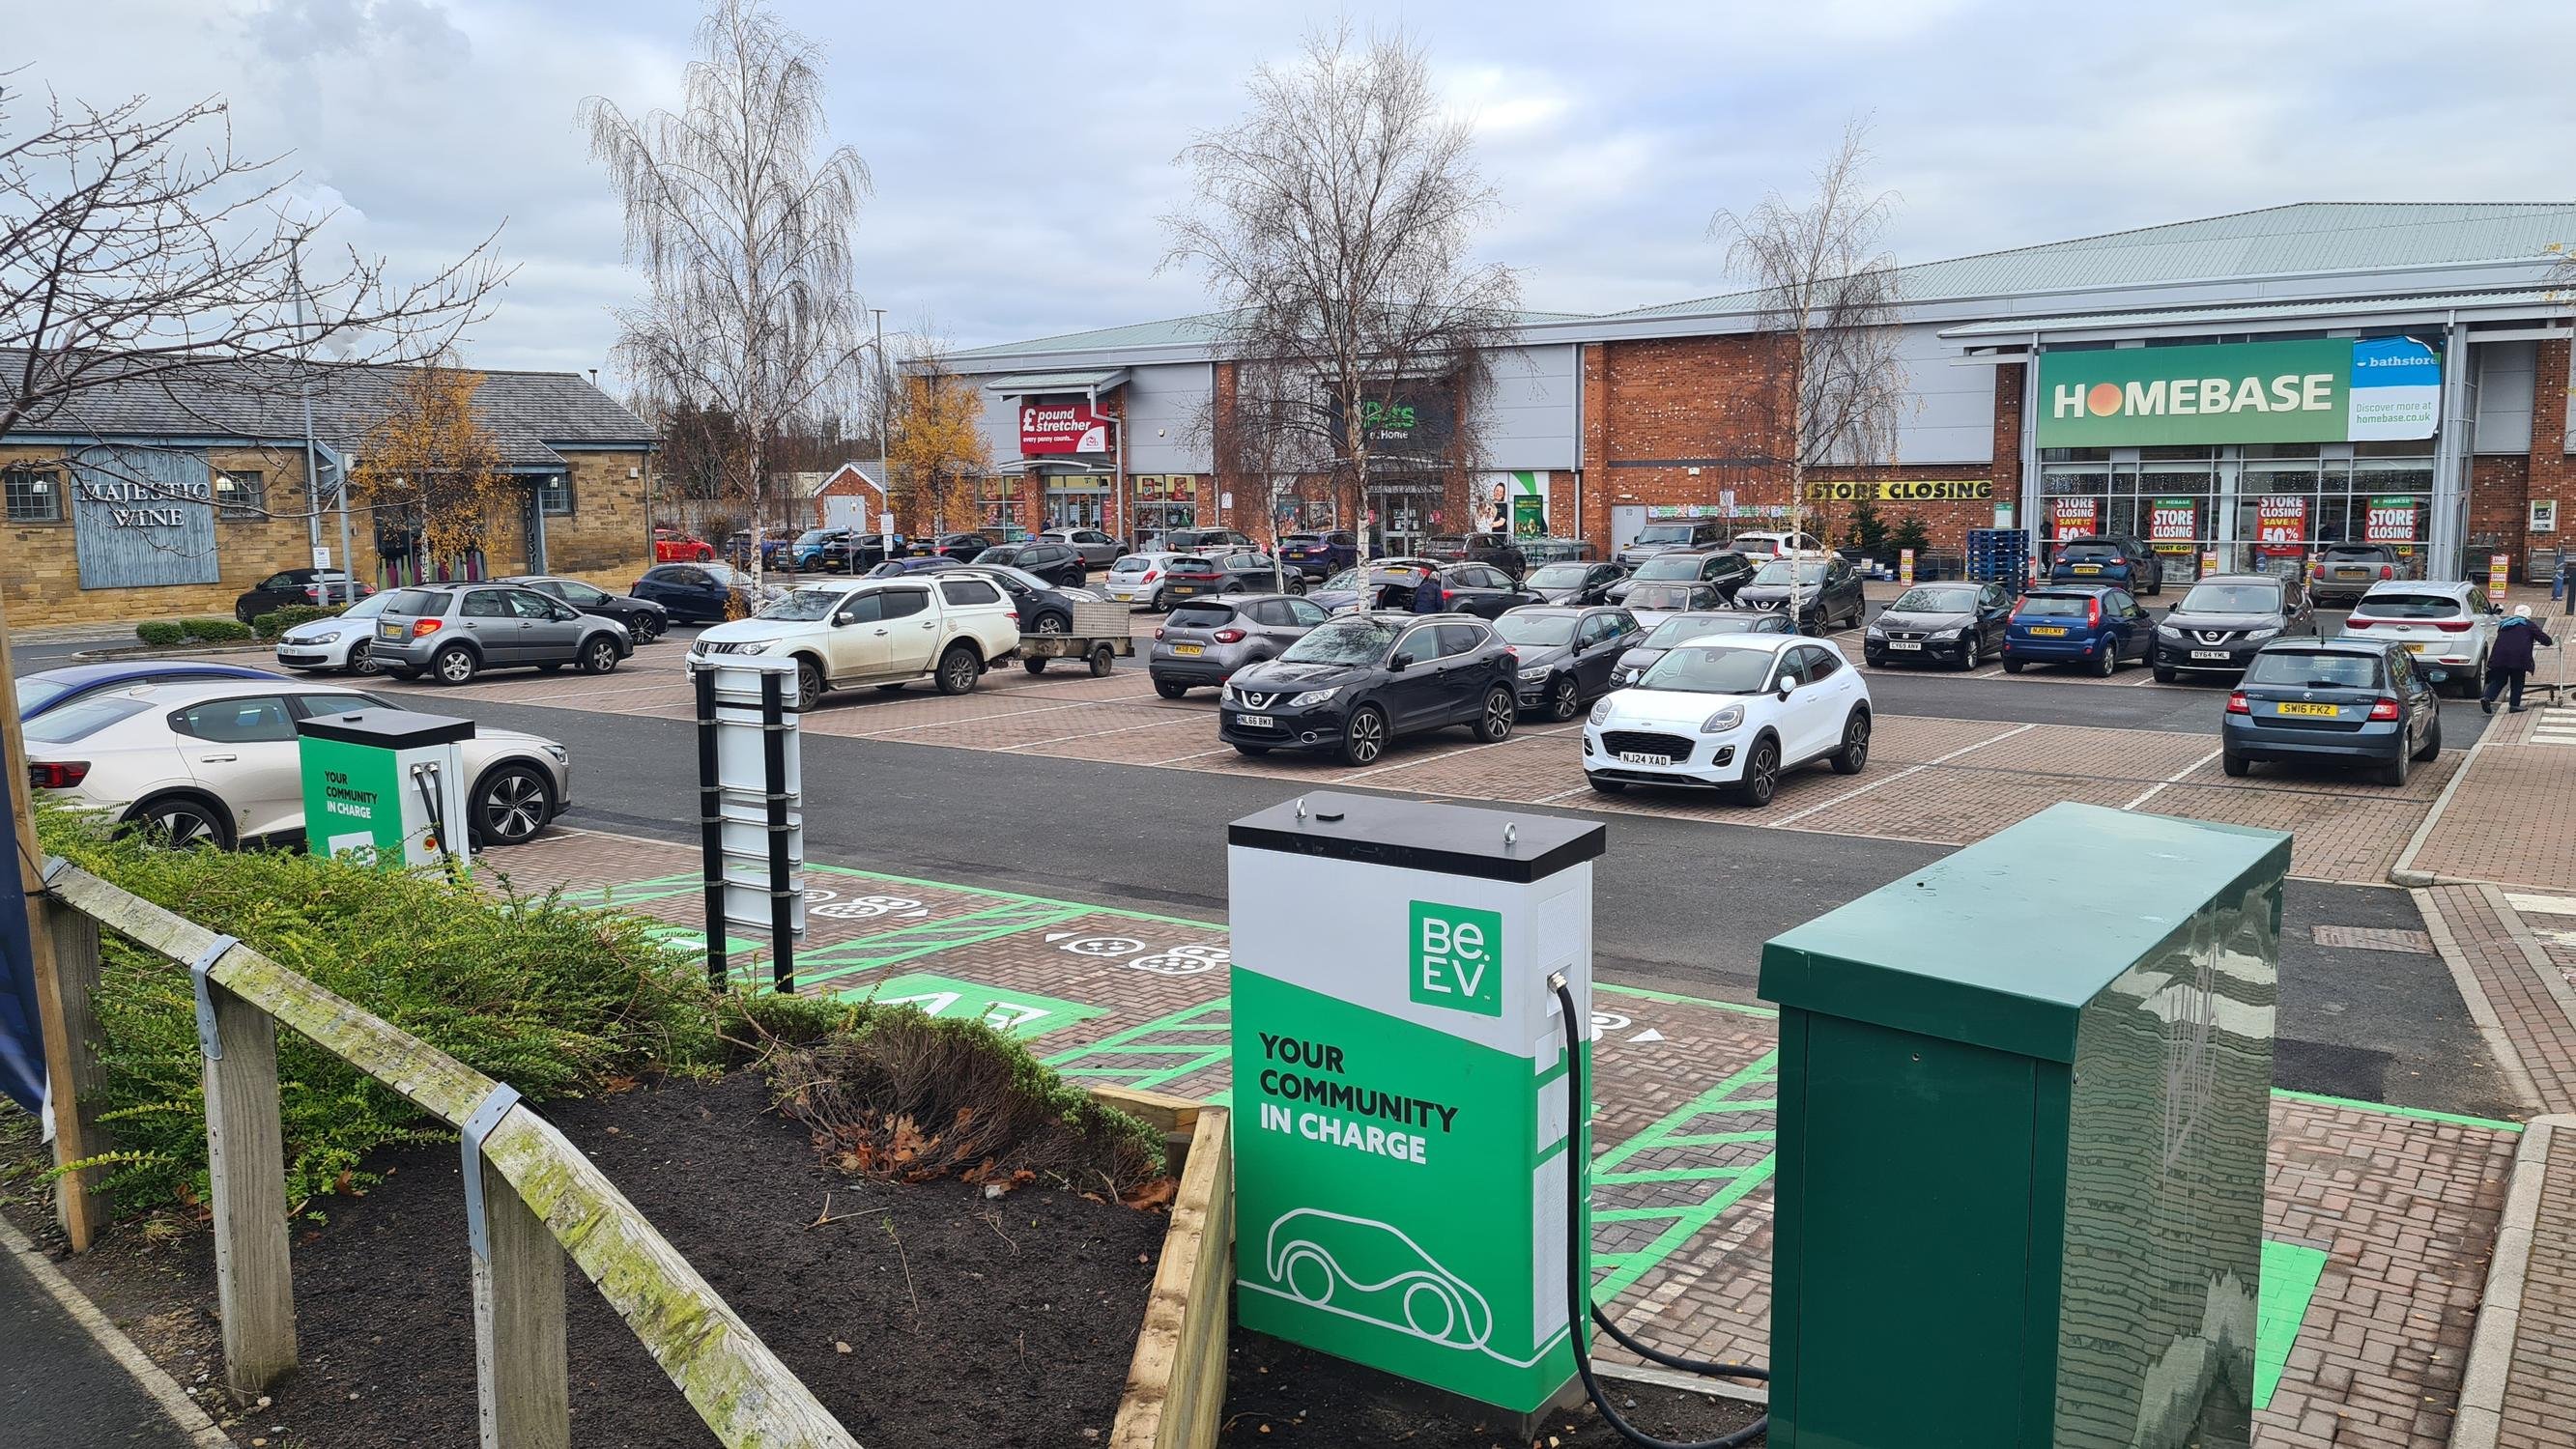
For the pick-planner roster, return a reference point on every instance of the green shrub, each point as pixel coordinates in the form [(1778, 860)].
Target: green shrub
[(1910, 533), (278, 621), (215, 631), (552, 998), (160, 633)]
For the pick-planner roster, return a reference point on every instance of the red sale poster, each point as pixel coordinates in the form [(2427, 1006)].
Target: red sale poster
[(2075, 516), (2281, 524)]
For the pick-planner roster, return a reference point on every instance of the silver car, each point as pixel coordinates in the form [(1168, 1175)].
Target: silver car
[(453, 632), (1098, 549), (1205, 641), (2449, 628), (1140, 579), (218, 762)]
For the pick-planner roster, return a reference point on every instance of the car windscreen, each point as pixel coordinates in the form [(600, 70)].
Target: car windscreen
[(2055, 606), (2409, 606), (1559, 576), (1539, 631), (1777, 572), (1682, 566), (1692, 626), (80, 719), (2313, 669), (2374, 552), (2231, 599), (2089, 553), (816, 535), (1661, 596), (1945, 600), (1191, 564), (1344, 641), (367, 608), (1664, 533), (1200, 616), (418, 603), (804, 606), (1134, 563), (1343, 582), (36, 693), (1714, 669)]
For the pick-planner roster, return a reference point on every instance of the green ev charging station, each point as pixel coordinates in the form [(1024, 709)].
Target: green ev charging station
[(388, 782), (2022, 1118), (1400, 1098)]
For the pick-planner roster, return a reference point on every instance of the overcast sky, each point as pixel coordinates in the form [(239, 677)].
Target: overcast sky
[(1023, 153)]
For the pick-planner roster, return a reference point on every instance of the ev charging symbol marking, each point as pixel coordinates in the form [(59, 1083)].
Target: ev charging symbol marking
[(1456, 957)]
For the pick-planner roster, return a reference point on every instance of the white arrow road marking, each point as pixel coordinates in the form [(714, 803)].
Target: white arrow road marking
[(1649, 1034)]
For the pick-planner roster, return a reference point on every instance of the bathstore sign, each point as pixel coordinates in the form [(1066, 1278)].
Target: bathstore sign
[(2332, 390)]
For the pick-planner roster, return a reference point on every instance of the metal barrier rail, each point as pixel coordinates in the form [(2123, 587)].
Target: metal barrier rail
[(530, 1194)]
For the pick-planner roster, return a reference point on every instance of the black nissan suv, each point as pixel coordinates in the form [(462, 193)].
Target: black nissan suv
[(1355, 683)]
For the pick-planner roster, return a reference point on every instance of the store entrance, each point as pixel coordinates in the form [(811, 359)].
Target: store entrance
[(1407, 513)]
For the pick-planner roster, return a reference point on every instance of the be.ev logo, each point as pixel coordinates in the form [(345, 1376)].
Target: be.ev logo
[(1456, 958)]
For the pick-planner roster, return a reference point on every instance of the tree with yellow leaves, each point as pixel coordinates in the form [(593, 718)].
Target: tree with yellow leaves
[(935, 440), (428, 462)]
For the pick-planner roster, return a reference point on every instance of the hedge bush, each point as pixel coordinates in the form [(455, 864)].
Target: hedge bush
[(278, 621), (215, 631), (160, 633)]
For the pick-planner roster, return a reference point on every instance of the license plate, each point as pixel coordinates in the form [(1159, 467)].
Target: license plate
[(1189, 651), (2417, 648), (2050, 631), (2209, 654), (1254, 722), (2325, 710), (1634, 757), (389, 631), (1904, 644), (2088, 568), (2349, 573)]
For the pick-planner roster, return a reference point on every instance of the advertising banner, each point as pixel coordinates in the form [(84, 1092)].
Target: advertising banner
[(2281, 524), (2074, 517), (1905, 490), (2328, 390), (1414, 423), (2390, 520), (2173, 520), (1052, 428), (2499, 568)]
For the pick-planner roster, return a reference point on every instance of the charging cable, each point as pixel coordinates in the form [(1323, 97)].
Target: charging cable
[(1578, 1290)]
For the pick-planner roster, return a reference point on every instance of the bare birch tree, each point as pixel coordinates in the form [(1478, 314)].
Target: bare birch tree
[(1335, 224), (1827, 293), (743, 232)]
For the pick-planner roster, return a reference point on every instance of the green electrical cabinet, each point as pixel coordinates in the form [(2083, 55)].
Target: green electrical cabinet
[(2022, 1118)]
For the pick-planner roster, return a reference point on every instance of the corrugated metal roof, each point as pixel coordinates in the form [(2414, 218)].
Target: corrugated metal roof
[(2305, 313), (2307, 236), (1196, 331), (1021, 384), (523, 411)]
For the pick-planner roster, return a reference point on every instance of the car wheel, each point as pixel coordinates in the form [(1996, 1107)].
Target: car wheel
[(1161, 603), (363, 660), (2394, 772), (1562, 699), (2432, 740), (511, 805), (182, 821), (1364, 736), (2236, 766), (1296, 584), (1034, 664), (2470, 681), (1855, 751), (599, 656), (2109, 663), (647, 628), (1252, 751), (1053, 624), (2167, 675), (1761, 773), (1502, 708), (2012, 665), (241, 613), (453, 664), (809, 686), (958, 669), (1605, 787), (1169, 690), (1968, 659)]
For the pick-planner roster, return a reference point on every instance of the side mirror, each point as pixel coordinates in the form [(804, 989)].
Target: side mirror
[(1787, 688), (1404, 659)]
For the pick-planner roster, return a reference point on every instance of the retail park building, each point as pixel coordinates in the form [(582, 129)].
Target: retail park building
[(2245, 386)]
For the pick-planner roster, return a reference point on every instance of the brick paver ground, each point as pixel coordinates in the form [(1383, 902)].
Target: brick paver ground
[(2540, 1387), (2513, 818), (2525, 982), (2402, 1205)]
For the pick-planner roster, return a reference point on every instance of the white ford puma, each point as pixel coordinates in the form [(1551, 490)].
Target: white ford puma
[(1731, 711)]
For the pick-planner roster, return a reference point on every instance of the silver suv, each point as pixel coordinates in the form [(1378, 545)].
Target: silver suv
[(453, 632), (1205, 641)]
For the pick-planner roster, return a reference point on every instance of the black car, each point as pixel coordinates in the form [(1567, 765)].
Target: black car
[(1356, 683), (645, 620), (1235, 571), (296, 586), (1572, 581), (1548, 550), (1828, 591), (697, 592), (1566, 655), (1195, 540), (963, 547), (1051, 560), (2347, 700), (1713, 578), (2107, 558), (1498, 549), (1319, 555), (1680, 535), (1947, 623), (1641, 655), (2225, 618), (2345, 571), (1465, 588), (1041, 608)]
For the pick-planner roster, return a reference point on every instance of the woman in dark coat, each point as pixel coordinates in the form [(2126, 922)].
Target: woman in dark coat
[(2509, 661)]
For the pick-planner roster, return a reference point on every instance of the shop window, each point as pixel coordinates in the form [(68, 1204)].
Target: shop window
[(240, 494), (2183, 455), (35, 495), (2075, 455), (554, 494)]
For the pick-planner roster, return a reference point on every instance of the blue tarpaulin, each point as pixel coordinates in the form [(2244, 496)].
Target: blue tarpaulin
[(22, 1045)]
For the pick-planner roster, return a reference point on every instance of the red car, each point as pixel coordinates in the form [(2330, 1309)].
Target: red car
[(672, 545)]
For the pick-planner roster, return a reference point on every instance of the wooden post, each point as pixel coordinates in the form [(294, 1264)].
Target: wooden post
[(246, 1158), (70, 1040), (520, 1374), (76, 965)]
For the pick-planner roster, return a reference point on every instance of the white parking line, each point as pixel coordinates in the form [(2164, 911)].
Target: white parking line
[(1195, 755), (1160, 724), (2158, 788), (1901, 774), (1007, 714)]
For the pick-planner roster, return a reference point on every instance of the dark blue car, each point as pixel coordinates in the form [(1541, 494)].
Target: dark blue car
[(2107, 559), (2346, 700), (2095, 625), (53, 688)]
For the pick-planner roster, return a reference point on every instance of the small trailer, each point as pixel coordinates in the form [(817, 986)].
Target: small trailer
[(1098, 636)]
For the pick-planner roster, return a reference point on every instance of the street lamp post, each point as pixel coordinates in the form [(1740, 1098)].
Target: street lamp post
[(885, 424)]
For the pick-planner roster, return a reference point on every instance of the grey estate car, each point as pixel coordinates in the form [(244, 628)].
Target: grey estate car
[(1204, 641), (453, 632)]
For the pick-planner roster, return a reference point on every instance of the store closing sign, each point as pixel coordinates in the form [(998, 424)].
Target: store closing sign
[(2173, 520), (2281, 524), (2390, 520), (2075, 517)]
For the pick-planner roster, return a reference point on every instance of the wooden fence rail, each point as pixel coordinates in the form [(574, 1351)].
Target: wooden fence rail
[(541, 1198)]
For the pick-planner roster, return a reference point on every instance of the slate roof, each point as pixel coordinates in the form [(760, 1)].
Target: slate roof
[(527, 413)]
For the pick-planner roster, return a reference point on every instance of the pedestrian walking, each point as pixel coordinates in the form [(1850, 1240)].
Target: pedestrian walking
[(2509, 660), (1427, 595)]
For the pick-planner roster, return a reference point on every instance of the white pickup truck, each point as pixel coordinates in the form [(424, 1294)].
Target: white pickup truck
[(944, 627)]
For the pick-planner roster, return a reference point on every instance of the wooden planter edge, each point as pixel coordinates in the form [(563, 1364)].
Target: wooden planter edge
[(1175, 1394)]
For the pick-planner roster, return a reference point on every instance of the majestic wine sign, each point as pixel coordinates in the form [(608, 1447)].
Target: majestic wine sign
[(142, 517), (2326, 391)]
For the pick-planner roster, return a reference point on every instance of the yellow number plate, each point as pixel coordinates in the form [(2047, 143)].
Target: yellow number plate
[(2088, 568), (2286, 707), (2052, 631), (2417, 648), (1189, 650)]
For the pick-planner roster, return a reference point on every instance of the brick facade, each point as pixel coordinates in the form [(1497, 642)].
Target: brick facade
[(2552, 473)]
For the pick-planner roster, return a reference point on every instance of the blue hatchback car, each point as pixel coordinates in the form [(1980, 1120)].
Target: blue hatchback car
[(2338, 700), (2095, 625), (2107, 559)]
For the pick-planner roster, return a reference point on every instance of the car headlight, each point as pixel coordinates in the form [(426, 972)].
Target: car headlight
[(763, 647), (2167, 631), (561, 755), (2257, 634), (1876, 632), (1722, 721), (1601, 712), (1314, 697), (1940, 634), (1536, 672)]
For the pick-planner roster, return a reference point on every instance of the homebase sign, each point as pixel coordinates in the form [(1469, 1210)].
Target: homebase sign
[(1399, 1111), (2325, 391)]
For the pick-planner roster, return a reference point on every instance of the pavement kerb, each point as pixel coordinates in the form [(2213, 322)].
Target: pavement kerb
[(2552, 979), (2403, 872), (2480, 1420), (2473, 994), (191, 1419)]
